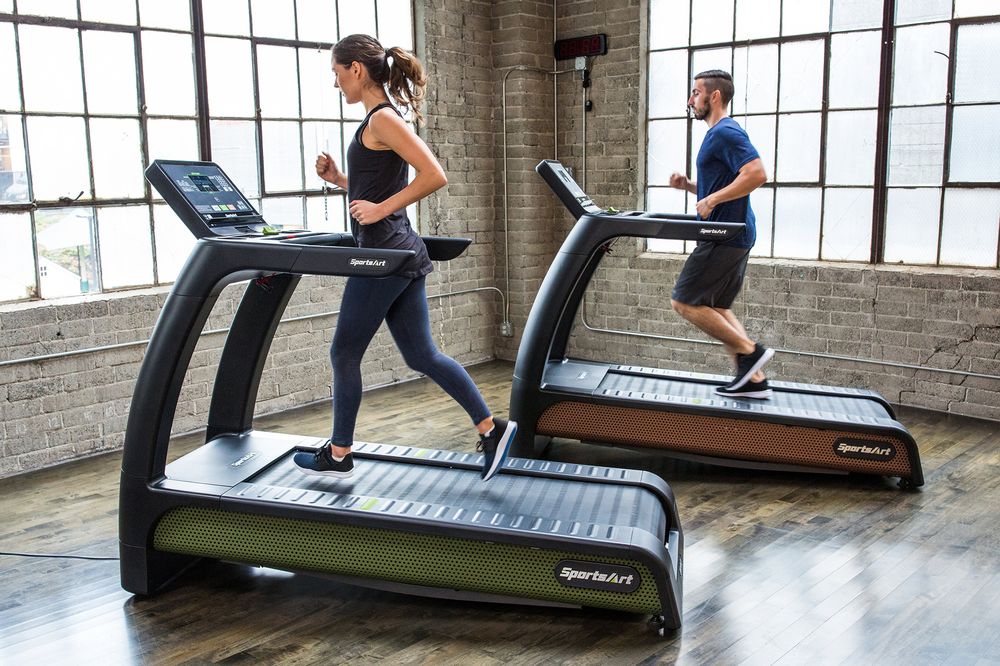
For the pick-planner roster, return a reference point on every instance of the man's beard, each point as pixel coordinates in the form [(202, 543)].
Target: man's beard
[(699, 114)]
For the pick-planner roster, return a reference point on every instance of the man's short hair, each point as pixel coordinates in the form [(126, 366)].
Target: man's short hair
[(717, 79)]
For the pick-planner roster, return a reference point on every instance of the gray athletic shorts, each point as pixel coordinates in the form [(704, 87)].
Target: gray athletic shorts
[(712, 275)]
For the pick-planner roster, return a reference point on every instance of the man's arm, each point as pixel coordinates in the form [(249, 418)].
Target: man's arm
[(750, 177), (679, 181)]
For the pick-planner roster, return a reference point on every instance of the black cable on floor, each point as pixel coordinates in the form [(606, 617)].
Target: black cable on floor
[(65, 557)]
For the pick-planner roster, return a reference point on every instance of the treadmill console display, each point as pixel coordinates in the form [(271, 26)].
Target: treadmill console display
[(574, 189), (211, 194)]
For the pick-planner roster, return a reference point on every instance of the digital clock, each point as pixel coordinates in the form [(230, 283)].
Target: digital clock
[(580, 47)]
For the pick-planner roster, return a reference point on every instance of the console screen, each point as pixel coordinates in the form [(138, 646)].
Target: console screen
[(211, 194)]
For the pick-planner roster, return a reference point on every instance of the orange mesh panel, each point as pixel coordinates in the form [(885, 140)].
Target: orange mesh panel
[(716, 436)]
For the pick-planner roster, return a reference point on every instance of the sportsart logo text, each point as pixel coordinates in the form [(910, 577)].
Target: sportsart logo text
[(712, 232), (373, 263), (248, 457), (863, 449), (597, 576)]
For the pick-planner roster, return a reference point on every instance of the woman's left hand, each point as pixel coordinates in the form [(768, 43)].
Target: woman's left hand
[(365, 212)]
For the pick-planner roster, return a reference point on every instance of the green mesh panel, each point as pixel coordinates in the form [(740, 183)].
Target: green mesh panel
[(404, 557)]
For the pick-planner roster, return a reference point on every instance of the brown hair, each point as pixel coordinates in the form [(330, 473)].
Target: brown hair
[(716, 79), (395, 69)]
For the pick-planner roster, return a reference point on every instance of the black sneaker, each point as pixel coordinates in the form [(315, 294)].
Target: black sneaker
[(321, 463), (758, 390), (748, 364), (495, 446)]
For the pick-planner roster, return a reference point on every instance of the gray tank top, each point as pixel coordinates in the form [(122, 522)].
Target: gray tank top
[(376, 175)]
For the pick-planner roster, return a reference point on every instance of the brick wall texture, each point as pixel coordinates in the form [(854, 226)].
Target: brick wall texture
[(65, 408)]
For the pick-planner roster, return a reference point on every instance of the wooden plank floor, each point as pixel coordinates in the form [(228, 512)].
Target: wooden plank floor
[(780, 568)]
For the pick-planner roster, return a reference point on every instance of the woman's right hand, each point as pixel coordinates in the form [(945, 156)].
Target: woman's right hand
[(327, 169)]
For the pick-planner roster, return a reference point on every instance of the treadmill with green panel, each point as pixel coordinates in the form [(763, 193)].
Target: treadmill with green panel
[(413, 519)]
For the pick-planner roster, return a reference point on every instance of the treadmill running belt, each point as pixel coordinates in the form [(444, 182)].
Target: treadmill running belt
[(781, 399), (510, 495)]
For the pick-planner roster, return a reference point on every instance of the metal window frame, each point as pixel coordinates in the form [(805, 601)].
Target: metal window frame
[(202, 118), (880, 187)]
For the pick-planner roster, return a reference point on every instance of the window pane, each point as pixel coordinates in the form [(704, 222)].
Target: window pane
[(760, 129), (317, 20), (666, 200), (48, 88), (172, 139), (668, 84), (666, 150), (920, 75), (117, 158), (278, 82), (10, 93), (916, 146), (798, 148), (965, 8), (325, 213), (67, 262), (318, 138), (108, 11), (230, 79), (168, 74), (273, 18), (702, 61), (395, 25), (357, 16), (56, 8), (227, 17), (174, 14), (59, 164), (975, 144), (319, 98), (801, 76), (755, 77), (757, 19), (796, 222), (762, 204), (234, 148), (975, 69), (282, 157), (847, 224), (911, 225), (109, 65), (17, 263), (922, 11), (13, 172), (285, 212), (853, 73), (850, 148), (856, 14), (712, 21), (805, 16), (126, 248), (970, 227), (354, 111), (173, 243), (668, 23)]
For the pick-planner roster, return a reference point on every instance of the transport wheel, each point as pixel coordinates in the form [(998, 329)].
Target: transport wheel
[(658, 624)]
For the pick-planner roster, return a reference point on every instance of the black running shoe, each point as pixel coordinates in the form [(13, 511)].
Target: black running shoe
[(495, 446), (757, 390), (748, 364), (321, 463)]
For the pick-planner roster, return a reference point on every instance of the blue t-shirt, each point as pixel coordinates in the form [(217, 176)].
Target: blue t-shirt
[(725, 150)]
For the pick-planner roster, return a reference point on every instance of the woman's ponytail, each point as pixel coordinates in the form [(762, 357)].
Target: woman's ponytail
[(398, 70), (406, 80)]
